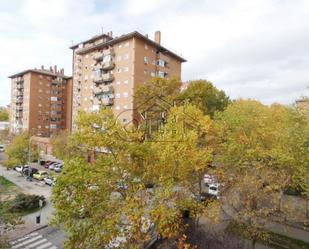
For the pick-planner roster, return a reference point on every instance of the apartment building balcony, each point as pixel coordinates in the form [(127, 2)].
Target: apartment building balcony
[(19, 108), (20, 86), (98, 56), (108, 65), (104, 90), (104, 78), (109, 51), (19, 80), (107, 101), (19, 100)]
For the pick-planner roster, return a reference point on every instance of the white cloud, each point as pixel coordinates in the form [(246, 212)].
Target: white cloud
[(251, 49)]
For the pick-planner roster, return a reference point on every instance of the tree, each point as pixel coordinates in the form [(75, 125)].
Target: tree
[(255, 151), (112, 196), (206, 96), (61, 146), (17, 152), (4, 115)]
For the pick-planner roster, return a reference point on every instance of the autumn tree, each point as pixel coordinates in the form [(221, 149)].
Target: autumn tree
[(255, 152), (135, 186), (20, 151), (206, 96)]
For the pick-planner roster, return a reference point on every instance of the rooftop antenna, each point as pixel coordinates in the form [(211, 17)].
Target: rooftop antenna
[(102, 30)]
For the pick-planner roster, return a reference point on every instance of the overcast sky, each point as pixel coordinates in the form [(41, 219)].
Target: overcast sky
[(251, 49)]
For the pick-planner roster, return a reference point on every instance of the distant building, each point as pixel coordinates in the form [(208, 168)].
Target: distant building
[(107, 70), (41, 102)]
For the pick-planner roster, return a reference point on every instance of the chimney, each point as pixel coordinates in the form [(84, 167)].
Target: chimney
[(51, 68), (158, 37), (42, 67), (146, 35), (55, 69)]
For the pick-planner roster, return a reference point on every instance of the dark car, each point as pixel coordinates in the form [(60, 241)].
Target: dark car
[(32, 171)]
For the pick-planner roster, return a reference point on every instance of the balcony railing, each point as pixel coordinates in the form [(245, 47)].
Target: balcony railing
[(107, 101), (108, 65), (103, 90), (98, 56), (107, 77)]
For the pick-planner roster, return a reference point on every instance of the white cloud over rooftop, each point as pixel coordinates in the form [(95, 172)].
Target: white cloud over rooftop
[(251, 49)]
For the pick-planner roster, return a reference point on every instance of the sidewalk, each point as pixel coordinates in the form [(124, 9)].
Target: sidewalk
[(36, 188)]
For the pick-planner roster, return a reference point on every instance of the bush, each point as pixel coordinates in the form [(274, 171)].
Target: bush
[(23, 202)]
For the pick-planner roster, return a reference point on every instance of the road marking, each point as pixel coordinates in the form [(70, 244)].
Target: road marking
[(45, 245), (23, 238), (27, 242), (36, 243)]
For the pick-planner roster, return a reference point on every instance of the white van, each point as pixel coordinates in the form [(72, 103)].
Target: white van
[(1, 148)]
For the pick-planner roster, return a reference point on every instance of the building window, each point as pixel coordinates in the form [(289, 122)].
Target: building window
[(161, 74), (146, 47), (118, 82), (146, 60), (117, 95), (119, 58), (153, 74), (124, 120), (125, 94), (126, 82), (117, 107), (145, 71), (126, 69), (126, 57), (119, 70), (161, 63), (125, 107), (120, 46), (127, 44)]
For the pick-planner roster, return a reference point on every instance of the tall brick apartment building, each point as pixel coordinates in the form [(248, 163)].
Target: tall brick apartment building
[(41, 102), (107, 70)]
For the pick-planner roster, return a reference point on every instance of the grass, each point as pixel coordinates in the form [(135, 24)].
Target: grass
[(8, 191), (272, 239), (7, 188)]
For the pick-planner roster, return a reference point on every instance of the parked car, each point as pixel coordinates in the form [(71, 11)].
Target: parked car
[(213, 189), (40, 175), (2, 148), (58, 167), (47, 163), (20, 168), (50, 180), (52, 165), (32, 171)]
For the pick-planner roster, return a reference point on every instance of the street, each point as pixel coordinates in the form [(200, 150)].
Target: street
[(22, 233)]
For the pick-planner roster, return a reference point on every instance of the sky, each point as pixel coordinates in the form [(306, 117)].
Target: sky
[(257, 49)]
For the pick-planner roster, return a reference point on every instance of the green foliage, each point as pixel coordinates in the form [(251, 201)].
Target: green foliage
[(61, 146), (107, 198), (206, 96), (24, 203), (258, 151), (4, 115), (18, 151)]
